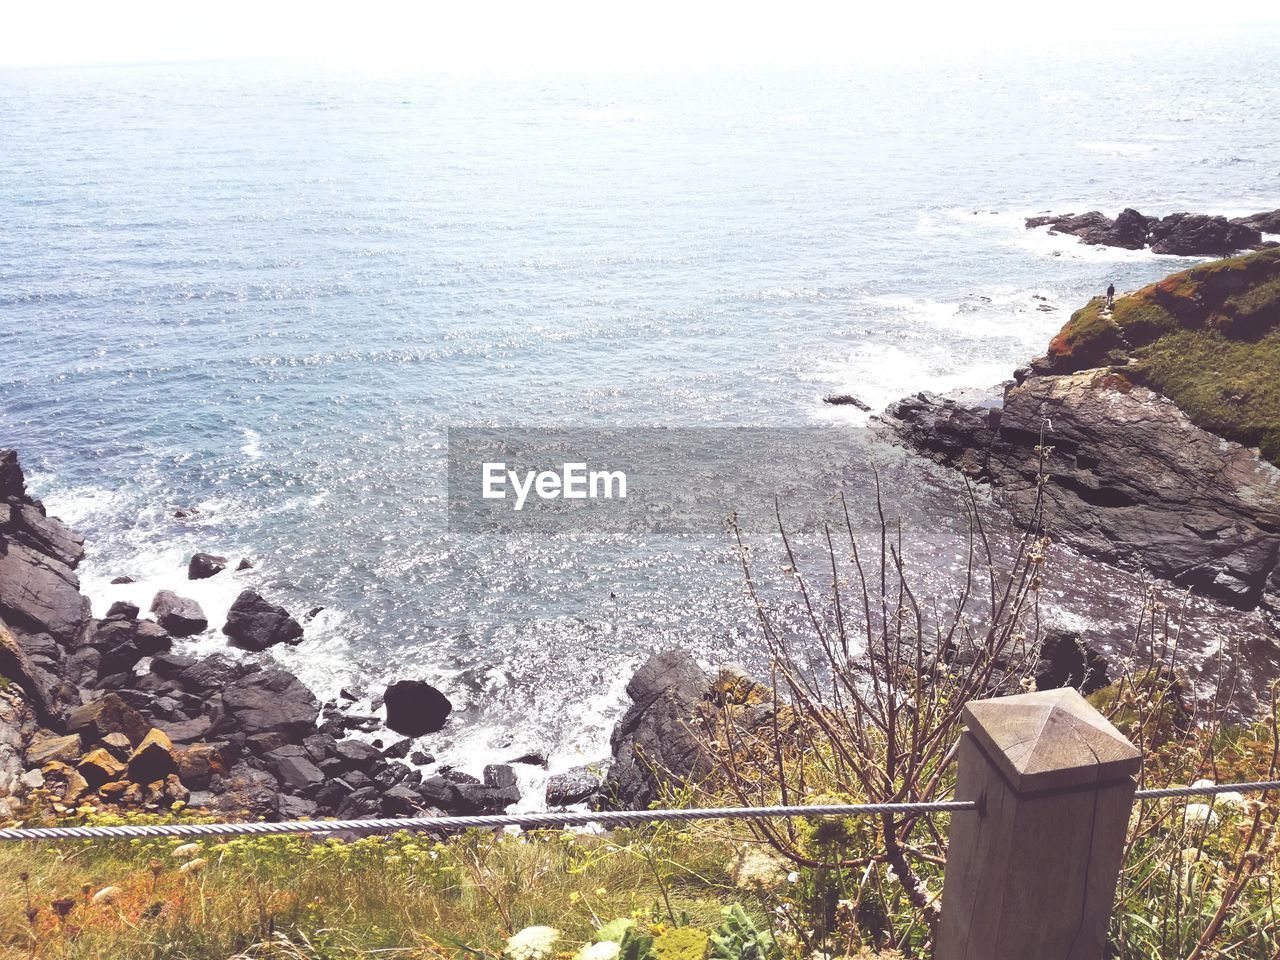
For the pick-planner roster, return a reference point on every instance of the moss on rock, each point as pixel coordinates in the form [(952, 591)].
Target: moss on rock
[(1208, 338)]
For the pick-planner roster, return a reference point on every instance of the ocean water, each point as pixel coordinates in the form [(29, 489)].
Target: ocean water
[(267, 290)]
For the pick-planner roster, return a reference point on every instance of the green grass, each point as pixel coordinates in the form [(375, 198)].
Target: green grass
[(1208, 338)]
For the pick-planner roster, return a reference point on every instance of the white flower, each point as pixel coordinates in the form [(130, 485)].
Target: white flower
[(106, 895), (600, 951), (532, 943), (195, 866), (1200, 814), (187, 850)]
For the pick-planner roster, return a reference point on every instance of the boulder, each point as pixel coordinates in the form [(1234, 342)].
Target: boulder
[(245, 790), (108, 714), (1198, 235), (118, 745), (153, 759), (356, 755), (254, 624), (499, 776), (270, 700), (123, 610), (415, 708), (49, 748), (656, 740), (212, 674), (205, 565), (117, 581), (295, 769), (99, 767), (579, 785), (180, 616)]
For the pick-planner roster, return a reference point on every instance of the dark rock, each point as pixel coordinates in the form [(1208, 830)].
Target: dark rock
[(846, 400), (153, 758), (254, 624), (123, 610), (181, 616), (401, 801), (654, 740), (186, 513), (320, 747), (121, 580), (580, 785), (294, 767), (199, 763), (171, 665), (1197, 235), (415, 708), (398, 750), (13, 485), (213, 673), (356, 755), (271, 700), (313, 613), (205, 565), (108, 714), (187, 731), (245, 790), (1132, 477), (1129, 231), (17, 666), (533, 758), (1067, 661), (421, 758), (244, 564), (297, 808), (1262, 222), (499, 776), (39, 593)]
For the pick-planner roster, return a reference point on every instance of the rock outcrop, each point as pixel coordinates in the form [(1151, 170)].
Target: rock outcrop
[(657, 738), (1181, 234), (254, 624), (1134, 476)]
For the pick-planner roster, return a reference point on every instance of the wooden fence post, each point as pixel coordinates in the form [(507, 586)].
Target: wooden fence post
[(1032, 874)]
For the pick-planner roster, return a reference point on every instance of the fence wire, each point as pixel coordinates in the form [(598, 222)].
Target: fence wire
[(533, 821)]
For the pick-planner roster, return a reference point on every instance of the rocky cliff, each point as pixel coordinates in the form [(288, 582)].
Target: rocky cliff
[(1160, 421)]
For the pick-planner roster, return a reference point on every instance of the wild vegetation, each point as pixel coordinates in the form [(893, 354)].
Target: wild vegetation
[(867, 694), (1208, 338)]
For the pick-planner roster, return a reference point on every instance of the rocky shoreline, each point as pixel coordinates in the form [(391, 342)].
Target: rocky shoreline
[(1178, 234), (1134, 478), (112, 713)]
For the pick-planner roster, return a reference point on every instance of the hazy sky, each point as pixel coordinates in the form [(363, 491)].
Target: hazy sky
[(574, 35)]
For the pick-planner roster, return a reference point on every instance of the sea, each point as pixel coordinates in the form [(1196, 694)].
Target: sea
[(267, 291)]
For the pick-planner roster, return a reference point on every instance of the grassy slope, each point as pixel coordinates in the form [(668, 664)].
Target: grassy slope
[(1208, 338)]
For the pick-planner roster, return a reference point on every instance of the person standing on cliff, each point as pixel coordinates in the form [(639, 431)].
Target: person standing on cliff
[(1111, 295)]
